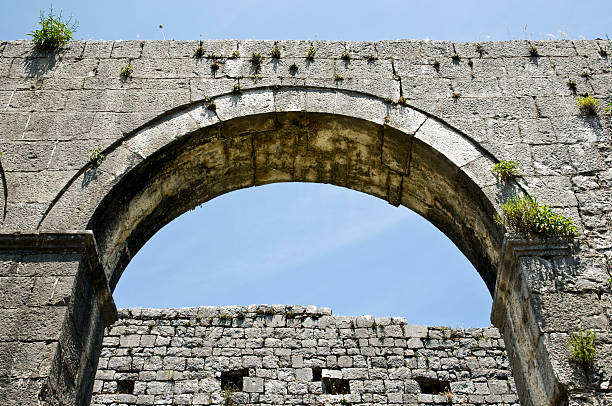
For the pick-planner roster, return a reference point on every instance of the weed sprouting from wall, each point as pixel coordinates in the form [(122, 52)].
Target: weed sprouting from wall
[(54, 32), (96, 157), (275, 53), (311, 53), (126, 71), (582, 347), (588, 105), (524, 214), (256, 60), (505, 170)]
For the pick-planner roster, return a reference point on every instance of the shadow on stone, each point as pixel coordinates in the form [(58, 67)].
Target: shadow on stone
[(89, 176), (40, 63), (5, 189)]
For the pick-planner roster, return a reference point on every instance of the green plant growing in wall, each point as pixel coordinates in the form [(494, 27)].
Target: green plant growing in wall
[(506, 170), (237, 89), (610, 283), (338, 78), (199, 51), (54, 32), (372, 57), (608, 107), (96, 157), (265, 312), (456, 95), (227, 395), (209, 103), (311, 53), (235, 54), (533, 51), (275, 53), (436, 64), (572, 85), (345, 56), (214, 67), (603, 52), (126, 71), (256, 59), (480, 49), (448, 394), (455, 57), (525, 215), (588, 105), (582, 347)]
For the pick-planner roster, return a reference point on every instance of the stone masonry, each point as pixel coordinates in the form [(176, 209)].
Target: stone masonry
[(288, 355), (416, 123)]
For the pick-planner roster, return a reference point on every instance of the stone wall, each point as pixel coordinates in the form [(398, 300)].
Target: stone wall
[(417, 123), (285, 355)]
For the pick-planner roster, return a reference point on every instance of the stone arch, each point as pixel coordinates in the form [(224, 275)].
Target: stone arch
[(56, 294), (389, 150), (268, 135)]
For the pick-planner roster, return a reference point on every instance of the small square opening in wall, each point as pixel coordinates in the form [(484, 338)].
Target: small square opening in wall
[(336, 386), (125, 386), (333, 383), (232, 380), (317, 374), (432, 386)]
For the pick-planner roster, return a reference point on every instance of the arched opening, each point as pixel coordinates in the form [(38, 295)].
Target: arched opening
[(307, 244), (191, 156), (309, 147)]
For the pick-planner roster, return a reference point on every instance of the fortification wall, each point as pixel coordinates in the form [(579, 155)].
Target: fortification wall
[(284, 355), (417, 123)]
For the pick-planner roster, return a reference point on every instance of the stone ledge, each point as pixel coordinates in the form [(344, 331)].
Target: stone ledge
[(82, 242), (514, 247)]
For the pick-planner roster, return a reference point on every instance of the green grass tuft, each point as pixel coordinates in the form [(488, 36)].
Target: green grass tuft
[(96, 157), (54, 32), (525, 215), (127, 71), (582, 347), (275, 53), (588, 105), (311, 53), (256, 59), (506, 170)]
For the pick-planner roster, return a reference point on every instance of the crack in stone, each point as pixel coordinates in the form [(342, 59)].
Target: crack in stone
[(26, 126), (10, 99), (53, 290)]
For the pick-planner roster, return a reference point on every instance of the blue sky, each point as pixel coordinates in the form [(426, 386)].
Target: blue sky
[(304, 243)]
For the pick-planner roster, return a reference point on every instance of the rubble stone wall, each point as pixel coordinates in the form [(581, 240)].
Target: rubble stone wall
[(286, 355)]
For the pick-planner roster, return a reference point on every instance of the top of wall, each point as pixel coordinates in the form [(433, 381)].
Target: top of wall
[(296, 355), (396, 49)]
